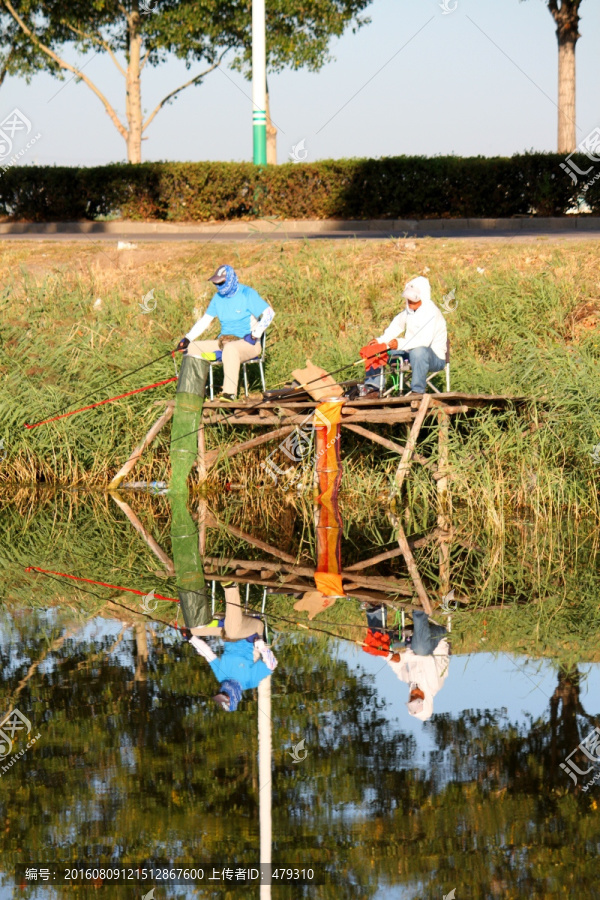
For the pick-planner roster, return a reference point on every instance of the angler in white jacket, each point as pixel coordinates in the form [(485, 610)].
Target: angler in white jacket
[(425, 336), (425, 676)]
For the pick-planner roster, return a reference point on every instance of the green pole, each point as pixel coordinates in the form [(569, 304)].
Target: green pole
[(259, 137), (259, 84)]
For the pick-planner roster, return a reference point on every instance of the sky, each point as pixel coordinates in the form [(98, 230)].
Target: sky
[(480, 80)]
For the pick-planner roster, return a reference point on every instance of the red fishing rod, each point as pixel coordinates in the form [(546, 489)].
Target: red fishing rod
[(116, 587), (61, 414)]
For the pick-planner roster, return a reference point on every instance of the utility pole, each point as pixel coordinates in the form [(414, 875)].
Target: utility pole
[(265, 788), (259, 83)]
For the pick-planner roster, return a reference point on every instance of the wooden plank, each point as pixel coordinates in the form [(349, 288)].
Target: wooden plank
[(376, 438), (391, 554), (126, 469), (393, 585), (412, 569), (226, 452), (379, 418), (147, 537), (404, 465), (255, 420)]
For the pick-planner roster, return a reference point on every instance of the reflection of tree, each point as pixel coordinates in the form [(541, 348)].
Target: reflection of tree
[(154, 768)]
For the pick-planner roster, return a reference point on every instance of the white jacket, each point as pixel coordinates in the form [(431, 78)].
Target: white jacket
[(426, 327), (428, 672)]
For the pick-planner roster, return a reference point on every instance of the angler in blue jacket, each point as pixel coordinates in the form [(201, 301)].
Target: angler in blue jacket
[(245, 660), (244, 317)]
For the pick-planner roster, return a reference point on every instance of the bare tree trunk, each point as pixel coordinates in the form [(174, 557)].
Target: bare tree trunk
[(567, 138), (141, 651), (133, 102), (566, 17), (271, 136)]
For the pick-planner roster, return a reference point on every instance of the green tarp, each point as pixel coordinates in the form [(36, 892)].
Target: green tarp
[(189, 400), (189, 573)]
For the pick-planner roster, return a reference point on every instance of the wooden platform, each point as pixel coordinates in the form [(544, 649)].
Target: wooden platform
[(283, 416)]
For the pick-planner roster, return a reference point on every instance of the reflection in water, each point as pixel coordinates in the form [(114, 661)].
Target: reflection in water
[(132, 743), (420, 660)]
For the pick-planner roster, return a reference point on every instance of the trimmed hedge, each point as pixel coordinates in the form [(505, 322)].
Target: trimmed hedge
[(403, 187)]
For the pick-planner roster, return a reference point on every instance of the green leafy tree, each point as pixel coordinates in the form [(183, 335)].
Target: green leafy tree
[(18, 55), (135, 34)]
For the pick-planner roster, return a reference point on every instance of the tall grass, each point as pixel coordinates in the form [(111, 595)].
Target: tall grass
[(534, 591), (526, 325)]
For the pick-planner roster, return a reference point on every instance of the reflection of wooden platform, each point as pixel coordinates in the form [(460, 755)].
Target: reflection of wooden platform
[(280, 572)]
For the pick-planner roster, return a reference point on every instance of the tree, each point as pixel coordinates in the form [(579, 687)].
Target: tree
[(566, 15), (18, 56), (137, 33)]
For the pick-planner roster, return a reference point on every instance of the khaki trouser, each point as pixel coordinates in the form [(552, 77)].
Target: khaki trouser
[(234, 353), (238, 624)]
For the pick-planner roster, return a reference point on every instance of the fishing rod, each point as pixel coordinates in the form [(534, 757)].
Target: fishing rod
[(116, 587), (56, 414), (287, 396), (60, 414), (56, 575)]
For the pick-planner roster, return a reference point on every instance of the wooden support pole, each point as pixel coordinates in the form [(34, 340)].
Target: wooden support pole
[(444, 502), (126, 469), (147, 537), (202, 470), (391, 554), (405, 462), (256, 542), (412, 569), (373, 436), (224, 453)]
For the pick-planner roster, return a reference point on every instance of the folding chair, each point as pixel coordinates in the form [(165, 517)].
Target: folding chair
[(259, 360), (398, 372)]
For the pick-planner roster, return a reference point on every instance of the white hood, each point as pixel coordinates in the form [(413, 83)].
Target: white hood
[(418, 289), (423, 327)]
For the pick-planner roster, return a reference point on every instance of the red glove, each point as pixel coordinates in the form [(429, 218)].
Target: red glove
[(375, 355), (376, 643)]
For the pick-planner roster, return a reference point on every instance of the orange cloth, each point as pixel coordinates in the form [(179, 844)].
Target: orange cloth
[(375, 355), (329, 584), (328, 414)]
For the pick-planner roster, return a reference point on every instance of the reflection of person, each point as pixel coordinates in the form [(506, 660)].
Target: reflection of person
[(423, 665), (245, 660), (424, 341), (244, 317)]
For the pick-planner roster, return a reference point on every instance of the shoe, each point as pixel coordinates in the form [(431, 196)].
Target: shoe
[(226, 398), (365, 390)]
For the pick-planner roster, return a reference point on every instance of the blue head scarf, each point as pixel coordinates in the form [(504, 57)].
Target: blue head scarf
[(230, 285), (233, 689)]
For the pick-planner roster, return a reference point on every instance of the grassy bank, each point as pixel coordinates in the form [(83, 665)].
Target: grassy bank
[(526, 324)]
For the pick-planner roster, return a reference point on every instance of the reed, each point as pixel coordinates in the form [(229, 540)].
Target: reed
[(525, 325)]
